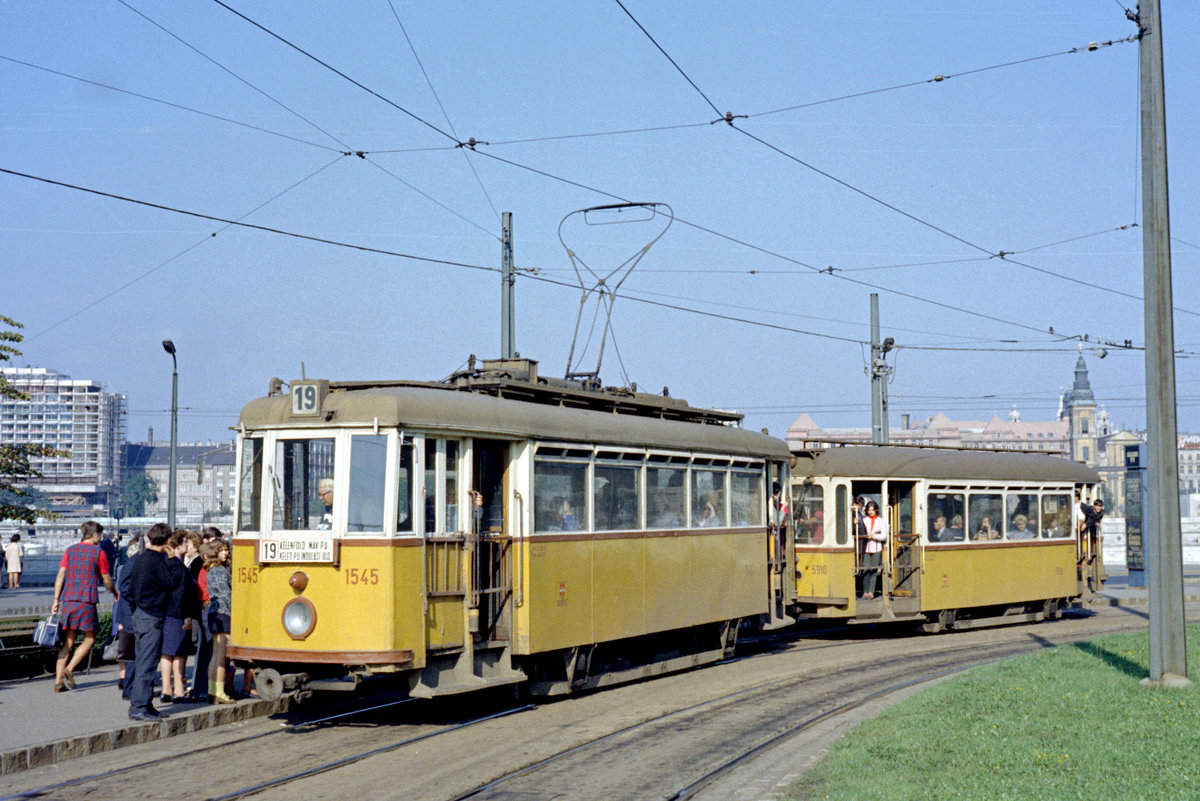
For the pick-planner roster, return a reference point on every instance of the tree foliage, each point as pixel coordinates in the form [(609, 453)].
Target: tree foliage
[(18, 502), (140, 490)]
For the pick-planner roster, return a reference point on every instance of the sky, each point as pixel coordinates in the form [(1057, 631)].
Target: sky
[(287, 189)]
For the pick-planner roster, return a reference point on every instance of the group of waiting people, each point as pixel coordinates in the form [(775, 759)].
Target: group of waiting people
[(174, 594)]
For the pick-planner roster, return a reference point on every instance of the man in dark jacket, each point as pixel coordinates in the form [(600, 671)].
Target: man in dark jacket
[(152, 579)]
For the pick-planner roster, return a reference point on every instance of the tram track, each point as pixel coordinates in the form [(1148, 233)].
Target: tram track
[(822, 680), (844, 692)]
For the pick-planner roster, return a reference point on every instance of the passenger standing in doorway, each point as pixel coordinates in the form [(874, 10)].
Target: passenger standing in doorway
[(876, 536), (1092, 515)]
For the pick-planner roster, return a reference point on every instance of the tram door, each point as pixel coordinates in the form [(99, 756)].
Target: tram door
[(905, 547), (491, 579)]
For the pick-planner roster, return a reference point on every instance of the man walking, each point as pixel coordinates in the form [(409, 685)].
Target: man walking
[(151, 581), (76, 594)]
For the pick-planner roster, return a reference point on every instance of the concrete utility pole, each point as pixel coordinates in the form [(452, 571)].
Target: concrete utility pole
[(508, 342), (879, 371), (1164, 557)]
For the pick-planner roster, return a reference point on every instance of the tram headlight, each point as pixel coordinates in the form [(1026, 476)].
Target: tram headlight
[(299, 618)]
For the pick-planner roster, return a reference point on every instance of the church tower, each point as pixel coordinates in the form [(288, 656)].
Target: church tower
[(1080, 406)]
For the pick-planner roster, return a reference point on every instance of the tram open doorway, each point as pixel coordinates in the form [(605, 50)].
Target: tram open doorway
[(899, 585), (491, 578)]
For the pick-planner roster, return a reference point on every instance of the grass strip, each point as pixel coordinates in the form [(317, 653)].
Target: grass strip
[(1070, 722)]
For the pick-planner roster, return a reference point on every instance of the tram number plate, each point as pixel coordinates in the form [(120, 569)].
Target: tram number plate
[(296, 549)]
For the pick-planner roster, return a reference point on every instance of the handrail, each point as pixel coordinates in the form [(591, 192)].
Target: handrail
[(518, 550)]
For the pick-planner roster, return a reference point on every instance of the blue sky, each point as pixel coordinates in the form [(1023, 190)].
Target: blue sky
[(852, 172)]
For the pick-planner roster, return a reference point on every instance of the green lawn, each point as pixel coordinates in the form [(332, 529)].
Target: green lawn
[(1066, 723)]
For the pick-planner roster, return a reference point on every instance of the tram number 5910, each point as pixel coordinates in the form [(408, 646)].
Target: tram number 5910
[(306, 400)]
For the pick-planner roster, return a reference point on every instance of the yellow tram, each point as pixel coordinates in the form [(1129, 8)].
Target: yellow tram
[(497, 528), (973, 537)]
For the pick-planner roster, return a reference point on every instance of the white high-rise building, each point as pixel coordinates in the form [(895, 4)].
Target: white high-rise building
[(76, 416)]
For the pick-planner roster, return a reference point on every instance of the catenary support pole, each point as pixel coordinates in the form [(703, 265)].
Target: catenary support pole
[(879, 372), (508, 344), (1168, 652)]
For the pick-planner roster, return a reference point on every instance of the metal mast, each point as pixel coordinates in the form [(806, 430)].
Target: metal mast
[(879, 371), (508, 332)]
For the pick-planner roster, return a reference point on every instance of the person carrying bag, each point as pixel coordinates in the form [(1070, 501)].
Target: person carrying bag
[(45, 633)]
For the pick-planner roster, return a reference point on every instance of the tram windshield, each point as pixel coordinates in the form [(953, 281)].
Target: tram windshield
[(304, 489)]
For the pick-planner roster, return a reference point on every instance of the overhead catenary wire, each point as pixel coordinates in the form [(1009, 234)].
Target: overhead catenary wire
[(336, 71), (230, 72), (170, 104), (445, 114), (668, 57), (532, 275), (183, 252)]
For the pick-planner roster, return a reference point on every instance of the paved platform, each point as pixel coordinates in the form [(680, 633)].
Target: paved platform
[(40, 727)]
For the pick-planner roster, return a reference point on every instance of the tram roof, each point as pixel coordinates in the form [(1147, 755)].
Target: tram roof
[(883, 461), (475, 412)]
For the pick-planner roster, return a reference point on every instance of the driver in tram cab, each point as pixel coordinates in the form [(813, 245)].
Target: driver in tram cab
[(325, 494)]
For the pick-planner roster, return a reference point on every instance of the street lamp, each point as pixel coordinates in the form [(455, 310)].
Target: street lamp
[(169, 347)]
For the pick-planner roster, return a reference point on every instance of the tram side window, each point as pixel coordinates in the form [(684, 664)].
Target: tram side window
[(301, 465), (665, 501), (250, 485), (747, 499), (1022, 516), (560, 496), (986, 516), (368, 483), (708, 498), (946, 510), (404, 492), (447, 493), (808, 501), (615, 498), (1056, 516)]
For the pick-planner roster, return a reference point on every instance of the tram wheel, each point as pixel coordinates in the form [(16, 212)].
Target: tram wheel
[(1050, 610), (944, 622), (269, 684)]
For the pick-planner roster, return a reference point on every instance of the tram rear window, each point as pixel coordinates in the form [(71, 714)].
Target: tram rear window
[(301, 465)]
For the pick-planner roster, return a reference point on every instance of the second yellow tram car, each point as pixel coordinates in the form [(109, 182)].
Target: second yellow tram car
[(497, 528), (974, 537)]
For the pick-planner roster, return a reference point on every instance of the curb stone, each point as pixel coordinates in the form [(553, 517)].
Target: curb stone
[(35, 756)]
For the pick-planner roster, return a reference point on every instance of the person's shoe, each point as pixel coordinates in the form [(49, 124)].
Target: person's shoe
[(152, 712), (219, 697), (143, 716), (59, 688), (69, 679), (180, 699), (165, 698), (121, 683)]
